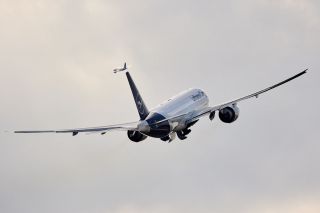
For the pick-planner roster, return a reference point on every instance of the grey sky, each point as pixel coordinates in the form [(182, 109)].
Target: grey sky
[(56, 72)]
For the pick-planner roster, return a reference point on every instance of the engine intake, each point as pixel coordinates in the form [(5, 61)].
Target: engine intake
[(136, 136), (229, 114)]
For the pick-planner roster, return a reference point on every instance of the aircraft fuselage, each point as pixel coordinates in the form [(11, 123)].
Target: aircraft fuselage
[(186, 103)]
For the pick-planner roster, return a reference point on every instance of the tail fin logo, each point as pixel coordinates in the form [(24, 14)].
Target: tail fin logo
[(140, 105)]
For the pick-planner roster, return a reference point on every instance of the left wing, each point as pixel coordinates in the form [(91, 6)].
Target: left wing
[(101, 129), (256, 94)]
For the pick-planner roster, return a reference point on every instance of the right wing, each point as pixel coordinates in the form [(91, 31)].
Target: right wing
[(101, 129), (229, 103)]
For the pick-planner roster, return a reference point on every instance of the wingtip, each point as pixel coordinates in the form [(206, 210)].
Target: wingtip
[(303, 72)]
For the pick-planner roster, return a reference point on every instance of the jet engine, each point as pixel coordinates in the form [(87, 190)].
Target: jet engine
[(229, 114), (136, 136)]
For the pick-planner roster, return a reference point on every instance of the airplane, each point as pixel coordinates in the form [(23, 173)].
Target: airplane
[(172, 118)]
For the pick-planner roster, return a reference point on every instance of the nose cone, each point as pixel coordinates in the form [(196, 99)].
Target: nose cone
[(144, 127)]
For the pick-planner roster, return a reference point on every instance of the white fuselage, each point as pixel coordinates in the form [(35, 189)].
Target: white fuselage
[(185, 103)]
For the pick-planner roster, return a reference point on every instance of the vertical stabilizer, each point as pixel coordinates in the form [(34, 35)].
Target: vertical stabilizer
[(141, 107)]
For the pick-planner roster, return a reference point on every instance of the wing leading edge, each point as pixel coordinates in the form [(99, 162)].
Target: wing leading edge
[(101, 129)]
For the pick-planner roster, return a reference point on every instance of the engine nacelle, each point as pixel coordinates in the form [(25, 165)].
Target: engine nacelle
[(136, 136), (229, 114)]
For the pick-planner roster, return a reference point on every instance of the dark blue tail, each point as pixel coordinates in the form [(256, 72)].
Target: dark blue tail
[(142, 108)]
